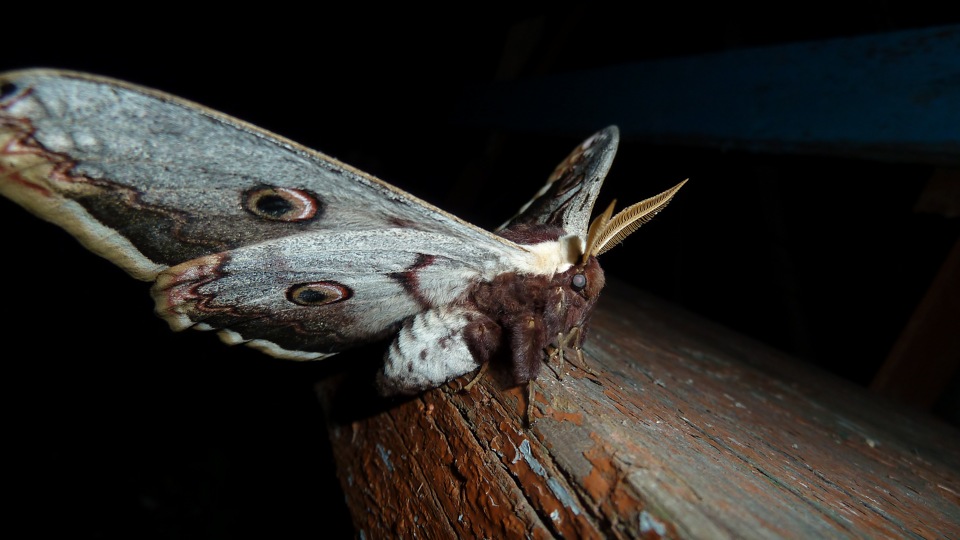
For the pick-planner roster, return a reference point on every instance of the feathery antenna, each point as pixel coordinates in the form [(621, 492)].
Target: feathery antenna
[(606, 231)]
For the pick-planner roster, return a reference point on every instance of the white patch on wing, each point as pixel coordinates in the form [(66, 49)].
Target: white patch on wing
[(230, 337), (277, 351), (268, 347), (429, 350), (178, 321)]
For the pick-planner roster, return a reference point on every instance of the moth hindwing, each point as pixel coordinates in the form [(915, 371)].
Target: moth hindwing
[(294, 253)]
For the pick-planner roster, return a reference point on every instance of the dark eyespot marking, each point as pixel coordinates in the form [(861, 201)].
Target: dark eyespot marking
[(318, 293), (578, 282), (7, 89), (282, 204)]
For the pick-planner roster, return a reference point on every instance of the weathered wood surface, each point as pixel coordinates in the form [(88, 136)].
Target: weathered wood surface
[(689, 431)]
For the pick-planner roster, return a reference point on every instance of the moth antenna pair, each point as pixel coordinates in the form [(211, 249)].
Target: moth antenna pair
[(606, 231)]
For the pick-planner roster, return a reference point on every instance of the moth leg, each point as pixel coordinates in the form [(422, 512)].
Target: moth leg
[(556, 353), (563, 341), (582, 364), (570, 339), (528, 417), (476, 378)]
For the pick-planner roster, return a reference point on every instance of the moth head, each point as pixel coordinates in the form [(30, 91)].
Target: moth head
[(579, 289), (585, 279), (608, 230)]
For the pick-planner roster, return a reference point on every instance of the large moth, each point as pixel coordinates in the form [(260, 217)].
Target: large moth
[(296, 254)]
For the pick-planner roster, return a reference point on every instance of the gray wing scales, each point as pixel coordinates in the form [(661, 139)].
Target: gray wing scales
[(243, 231), (149, 181), (315, 294)]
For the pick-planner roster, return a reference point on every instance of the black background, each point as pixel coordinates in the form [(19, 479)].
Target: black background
[(121, 428)]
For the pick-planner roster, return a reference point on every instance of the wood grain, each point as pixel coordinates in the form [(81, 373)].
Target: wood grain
[(688, 430)]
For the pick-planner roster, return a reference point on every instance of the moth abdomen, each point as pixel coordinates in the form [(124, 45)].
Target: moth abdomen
[(431, 348)]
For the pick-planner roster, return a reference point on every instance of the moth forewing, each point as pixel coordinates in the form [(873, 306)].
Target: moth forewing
[(294, 253), (567, 199)]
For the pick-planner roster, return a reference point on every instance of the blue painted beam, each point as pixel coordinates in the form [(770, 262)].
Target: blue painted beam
[(893, 96)]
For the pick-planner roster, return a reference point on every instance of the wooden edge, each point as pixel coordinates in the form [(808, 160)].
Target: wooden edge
[(676, 437)]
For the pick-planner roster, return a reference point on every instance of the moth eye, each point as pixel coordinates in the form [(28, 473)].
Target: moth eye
[(318, 293), (578, 282), (7, 89), (282, 204)]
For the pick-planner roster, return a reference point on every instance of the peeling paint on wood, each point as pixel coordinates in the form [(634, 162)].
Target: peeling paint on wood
[(686, 431)]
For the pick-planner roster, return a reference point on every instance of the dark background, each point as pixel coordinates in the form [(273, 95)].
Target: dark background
[(121, 428)]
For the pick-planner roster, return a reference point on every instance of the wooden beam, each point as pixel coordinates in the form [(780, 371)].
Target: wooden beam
[(893, 96), (688, 431)]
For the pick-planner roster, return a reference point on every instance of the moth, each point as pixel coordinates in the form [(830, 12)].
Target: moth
[(294, 253)]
